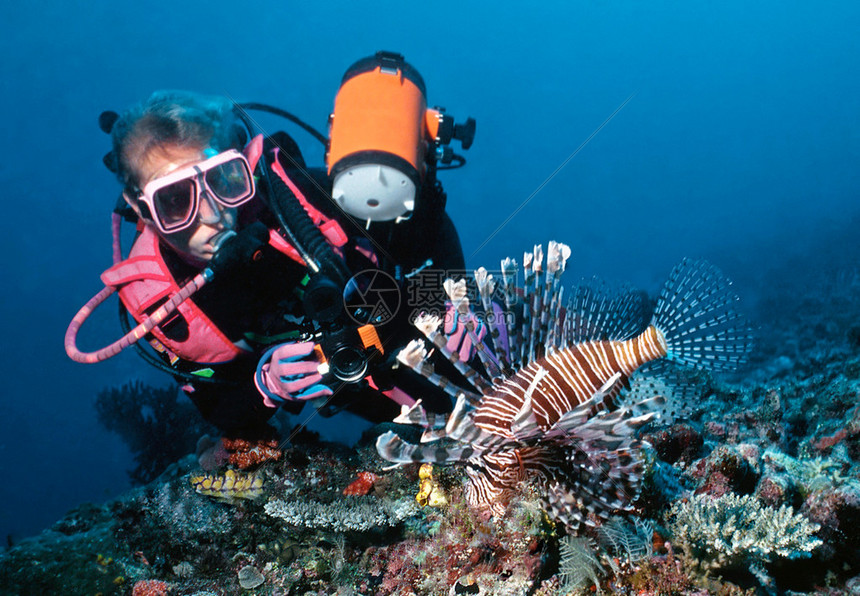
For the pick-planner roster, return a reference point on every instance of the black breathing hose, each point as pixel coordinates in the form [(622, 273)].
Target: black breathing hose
[(262, 107)]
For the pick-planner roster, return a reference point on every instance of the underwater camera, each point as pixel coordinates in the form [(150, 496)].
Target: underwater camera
[(348, 351), (384, 141), (350, 355), (345, 344)]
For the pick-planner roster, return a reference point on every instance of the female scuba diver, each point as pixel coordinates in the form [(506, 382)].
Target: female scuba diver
[(243, 267)]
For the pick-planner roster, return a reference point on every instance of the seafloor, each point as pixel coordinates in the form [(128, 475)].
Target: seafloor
[(753, 490)]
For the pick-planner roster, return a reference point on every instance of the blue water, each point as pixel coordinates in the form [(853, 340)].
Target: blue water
[(740, 143)]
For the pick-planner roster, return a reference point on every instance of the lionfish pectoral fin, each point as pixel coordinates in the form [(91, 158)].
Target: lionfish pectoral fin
[(391, 447), (413, 414), (566, 427), (649, 408), (613, 431), (416, 415), (459, 418), (433, 434), (608, 385), (676, 385), (595, 485), (566, 507)]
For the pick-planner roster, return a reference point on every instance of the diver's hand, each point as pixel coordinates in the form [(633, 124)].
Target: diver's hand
[(458, 339), (290, 372)]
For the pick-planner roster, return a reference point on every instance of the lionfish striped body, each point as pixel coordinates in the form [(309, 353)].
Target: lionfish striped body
[(558, 408), (573, 375)]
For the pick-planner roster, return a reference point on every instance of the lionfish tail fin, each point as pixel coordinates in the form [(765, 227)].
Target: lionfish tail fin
[(697, 317)]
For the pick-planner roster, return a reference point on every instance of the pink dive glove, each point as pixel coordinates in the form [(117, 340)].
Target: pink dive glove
[(455, 331), (290, 372)]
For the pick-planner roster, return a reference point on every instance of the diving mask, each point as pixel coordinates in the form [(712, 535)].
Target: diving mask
[(174, 200)]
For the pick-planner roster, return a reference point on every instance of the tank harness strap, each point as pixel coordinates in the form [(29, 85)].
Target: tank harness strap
[(330, 228)]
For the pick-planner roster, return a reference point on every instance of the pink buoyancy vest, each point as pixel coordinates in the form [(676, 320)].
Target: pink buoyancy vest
[(144, 283)]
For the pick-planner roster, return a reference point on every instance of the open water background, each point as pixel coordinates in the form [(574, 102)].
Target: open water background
[(740, 144)]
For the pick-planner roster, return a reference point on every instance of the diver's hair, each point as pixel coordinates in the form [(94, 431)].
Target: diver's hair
[(181, 118)]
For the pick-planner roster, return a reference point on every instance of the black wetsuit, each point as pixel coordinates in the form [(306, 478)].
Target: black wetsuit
[(262, 302)]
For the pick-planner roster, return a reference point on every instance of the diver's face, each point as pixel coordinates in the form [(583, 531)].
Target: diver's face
[(214, 221)]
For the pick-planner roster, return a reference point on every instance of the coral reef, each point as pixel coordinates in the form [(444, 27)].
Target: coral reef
[(342, 516), (763, 466), (733, 530), (250, 577), (246, 454), (149, 587)]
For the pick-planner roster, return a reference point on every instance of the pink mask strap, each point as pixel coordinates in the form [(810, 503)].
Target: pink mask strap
[(253, 151)]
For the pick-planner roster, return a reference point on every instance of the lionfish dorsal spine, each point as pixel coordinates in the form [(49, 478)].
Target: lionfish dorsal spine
[(415, 356), (556, 261), (529, 309), (509, 284), (493, 317), (457, 294), (429, 325)]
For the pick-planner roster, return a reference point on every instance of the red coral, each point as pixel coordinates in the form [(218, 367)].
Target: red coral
[(149, 587), (716, 484), (728, 469), (361, 485), (774, 491), (825, 443), (838, 512), (679, 442), (244, 454)]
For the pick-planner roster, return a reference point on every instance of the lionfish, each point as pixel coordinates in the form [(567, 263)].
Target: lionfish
[(554, 402)]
